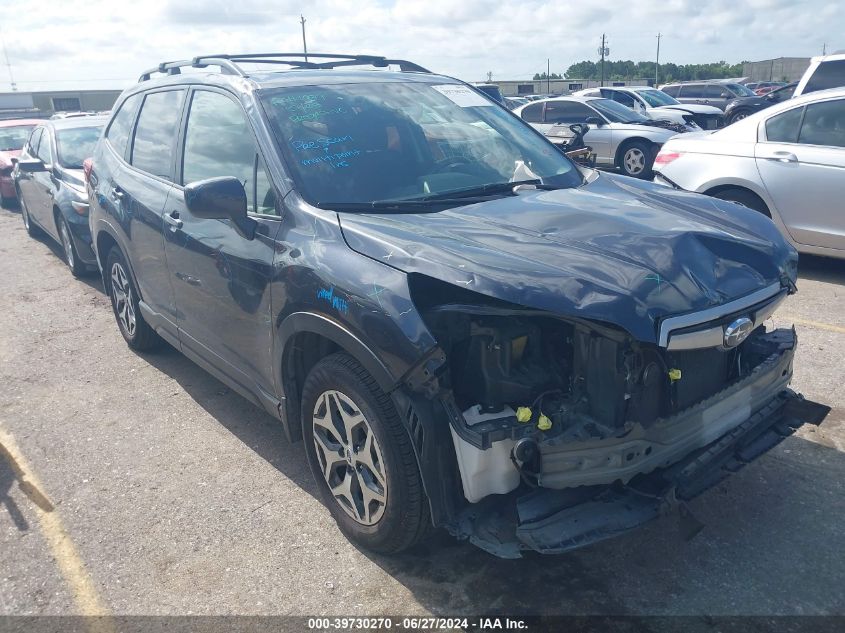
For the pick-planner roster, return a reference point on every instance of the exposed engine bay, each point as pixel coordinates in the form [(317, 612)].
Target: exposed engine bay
[(560, 403)]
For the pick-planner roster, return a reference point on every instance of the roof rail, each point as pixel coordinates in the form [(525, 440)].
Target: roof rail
[(228, 64)]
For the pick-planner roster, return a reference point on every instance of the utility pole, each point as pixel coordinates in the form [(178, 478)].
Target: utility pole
[(548, 76), (304, 45), (657, 60), (8, 63), (603, 51), (824, 48), (489, 76)]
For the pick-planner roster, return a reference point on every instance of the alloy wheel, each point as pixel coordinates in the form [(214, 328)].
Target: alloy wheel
[(122, 295), (634, 160), (66, 243), (350, 457)]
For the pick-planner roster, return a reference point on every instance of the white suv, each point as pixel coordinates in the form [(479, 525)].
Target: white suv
[(824, 72)]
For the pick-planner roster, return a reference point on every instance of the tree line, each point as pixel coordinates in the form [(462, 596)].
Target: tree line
[(628, 69)]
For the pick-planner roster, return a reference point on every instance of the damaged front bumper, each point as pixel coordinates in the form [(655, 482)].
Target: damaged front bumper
[(712, 440)]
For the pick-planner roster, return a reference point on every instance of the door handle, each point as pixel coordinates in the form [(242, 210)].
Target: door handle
[(173, 220), (117, 194), (784, 157)]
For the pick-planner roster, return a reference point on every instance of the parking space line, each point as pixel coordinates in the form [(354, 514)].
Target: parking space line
[(821, 326), (64, 552)]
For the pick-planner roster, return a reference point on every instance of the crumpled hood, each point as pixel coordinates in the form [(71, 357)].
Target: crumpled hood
[(616, 250)]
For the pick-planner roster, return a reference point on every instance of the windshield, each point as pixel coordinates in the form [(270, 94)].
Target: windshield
[(616, 112), (13, 138), (657, 98), (75, 145), (369, 142)]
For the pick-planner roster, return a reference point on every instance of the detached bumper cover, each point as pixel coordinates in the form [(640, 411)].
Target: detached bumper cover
[(554, 521)]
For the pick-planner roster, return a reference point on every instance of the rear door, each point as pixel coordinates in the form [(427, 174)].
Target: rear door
[(801, 160), (141, 189), (690, 93), (565, 113), (220, 277), (41, 186)]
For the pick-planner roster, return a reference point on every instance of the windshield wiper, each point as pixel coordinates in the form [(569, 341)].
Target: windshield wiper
[(488, 190)]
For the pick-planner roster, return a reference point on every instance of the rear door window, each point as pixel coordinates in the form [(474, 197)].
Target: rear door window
[(672, 91), (533, 113), (824, 124), (121, 125), (155, 133), (830, 74), (567, 112), (692, 91), (784, 127)]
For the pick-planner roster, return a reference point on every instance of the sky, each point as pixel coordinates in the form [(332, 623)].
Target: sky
[(106, 44)]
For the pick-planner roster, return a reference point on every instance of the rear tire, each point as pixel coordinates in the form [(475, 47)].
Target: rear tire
[(124, 301), (743, 197), (31, 229), (362, 458), (636, 159), (77, 268)]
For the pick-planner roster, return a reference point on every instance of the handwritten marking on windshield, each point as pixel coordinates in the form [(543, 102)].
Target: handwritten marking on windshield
[(320, 143)]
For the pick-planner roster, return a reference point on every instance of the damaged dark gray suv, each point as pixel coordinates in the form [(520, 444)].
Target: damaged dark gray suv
[(466, 329)]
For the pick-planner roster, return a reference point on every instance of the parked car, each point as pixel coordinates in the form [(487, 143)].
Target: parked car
[(51, 189), (712, 93), (492, 91), (765, 87), (657, 105), (13, 135), (467, 329), (787, 162), (824, 72), (620, 137), (742, 107)]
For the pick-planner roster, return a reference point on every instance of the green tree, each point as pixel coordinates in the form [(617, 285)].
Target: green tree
[(627, 69), (544, 76)]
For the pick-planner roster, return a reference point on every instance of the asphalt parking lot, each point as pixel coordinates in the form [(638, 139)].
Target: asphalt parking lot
[(138, 484)]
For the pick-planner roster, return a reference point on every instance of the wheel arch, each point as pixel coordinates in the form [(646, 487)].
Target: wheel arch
[(725, 187), (624, 145), (303, 338)]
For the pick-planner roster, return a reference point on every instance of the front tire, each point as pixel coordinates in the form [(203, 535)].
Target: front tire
[(124, 300), (738, 116), (77, 268), (636, 160), (362, 458)]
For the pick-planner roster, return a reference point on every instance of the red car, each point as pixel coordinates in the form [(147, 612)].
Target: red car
[(13, 134)]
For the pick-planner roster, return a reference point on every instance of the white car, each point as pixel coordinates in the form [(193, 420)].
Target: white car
[(657, 105), (619, 136), (787, 161)]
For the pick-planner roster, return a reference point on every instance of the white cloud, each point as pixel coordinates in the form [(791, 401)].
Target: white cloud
[(106, 44)]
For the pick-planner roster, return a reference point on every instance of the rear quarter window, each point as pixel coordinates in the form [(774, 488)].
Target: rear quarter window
[(830, 74), (533, 113), (121, 125)]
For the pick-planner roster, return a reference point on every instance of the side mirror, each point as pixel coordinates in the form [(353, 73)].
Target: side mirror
[(31, 165), (594, 120), (220, 199)]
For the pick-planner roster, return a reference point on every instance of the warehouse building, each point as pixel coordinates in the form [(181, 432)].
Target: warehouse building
[(780, 69), (518, 88), (45, 103)]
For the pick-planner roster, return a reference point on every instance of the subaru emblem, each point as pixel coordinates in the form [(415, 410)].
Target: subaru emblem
[(737, 331)]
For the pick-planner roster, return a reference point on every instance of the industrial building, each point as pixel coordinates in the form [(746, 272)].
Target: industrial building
[(45, 103), (518, 88), (780, 69)]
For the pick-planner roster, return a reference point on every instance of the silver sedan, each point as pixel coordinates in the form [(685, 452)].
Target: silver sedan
[(787, 161), (619, 136)]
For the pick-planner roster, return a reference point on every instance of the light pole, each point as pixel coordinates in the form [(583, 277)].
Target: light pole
[(603, 51), (304, 45), (657, 60)]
